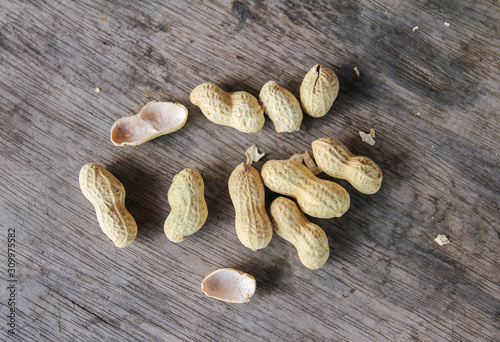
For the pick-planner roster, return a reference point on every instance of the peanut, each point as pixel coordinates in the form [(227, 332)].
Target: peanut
[(154, 120), (281, 106), (107, 195), (337, 161), (253, 226), (316, 197), (186, 197), (239, 110), (318, 90), (308, 238)]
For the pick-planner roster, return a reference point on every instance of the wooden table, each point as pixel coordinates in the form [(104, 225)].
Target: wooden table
[(428, 84)]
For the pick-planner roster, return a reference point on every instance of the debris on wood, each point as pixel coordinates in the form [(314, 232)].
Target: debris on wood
[(367, 138), (447, 24), (356, 70), (149, 93), (298, 157), (97, 90), (415, 28), (372, 132), (253, 154), (311, 164), (308, 160), (442, 240)]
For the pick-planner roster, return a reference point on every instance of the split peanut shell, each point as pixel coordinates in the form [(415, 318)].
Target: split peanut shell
[(229, 285), (154, 120)]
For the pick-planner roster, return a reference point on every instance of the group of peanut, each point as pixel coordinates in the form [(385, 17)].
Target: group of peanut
[(314, 196), (242, 111), (254, 227)]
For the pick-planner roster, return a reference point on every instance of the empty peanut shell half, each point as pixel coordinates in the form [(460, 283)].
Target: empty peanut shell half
[(155, 119), (229, 285)]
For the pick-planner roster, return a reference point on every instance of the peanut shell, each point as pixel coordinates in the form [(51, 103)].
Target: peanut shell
[(186, 197), (239, 110), (107, 195), (308, 238), (337, 161), (316, 197), (281, 106), (154, 120), (318, 90), (229, 285), (253, 225)]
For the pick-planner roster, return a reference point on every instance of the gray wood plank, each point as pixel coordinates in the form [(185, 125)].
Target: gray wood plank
[(430, 93)]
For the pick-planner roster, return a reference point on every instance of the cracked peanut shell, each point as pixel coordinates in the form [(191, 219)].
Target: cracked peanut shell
[(318, 90)]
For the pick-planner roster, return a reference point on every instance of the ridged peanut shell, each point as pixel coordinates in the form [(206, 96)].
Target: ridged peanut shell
[(308, 238), (186, 197), (337, 161), (281, 106), (253, 225), (239, 110), (316, 197), (318, 90), (107, 195), (154, 120)]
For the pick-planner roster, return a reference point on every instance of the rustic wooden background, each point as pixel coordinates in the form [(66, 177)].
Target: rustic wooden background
[(431, 91)]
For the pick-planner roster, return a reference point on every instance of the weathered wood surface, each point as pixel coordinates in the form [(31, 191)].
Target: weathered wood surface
[(431, 93)]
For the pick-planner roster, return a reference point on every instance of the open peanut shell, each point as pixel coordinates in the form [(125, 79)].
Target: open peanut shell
[(155, 119), (229, 285)]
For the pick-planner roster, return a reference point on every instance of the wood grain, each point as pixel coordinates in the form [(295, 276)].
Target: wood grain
[(432, 95)]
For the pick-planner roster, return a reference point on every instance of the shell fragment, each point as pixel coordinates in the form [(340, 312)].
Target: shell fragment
[(155, 119), (229, 285)]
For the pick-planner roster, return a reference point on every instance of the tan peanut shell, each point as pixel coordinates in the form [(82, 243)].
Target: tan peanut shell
[(316, 197), (239, 110), (308, 238), (337, 161), (281, 106), (186, 197), (154, 120), (253, 225), (107, 195), (318, 90)]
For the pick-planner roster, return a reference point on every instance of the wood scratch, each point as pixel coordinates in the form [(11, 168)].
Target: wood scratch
[(51, 226)]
